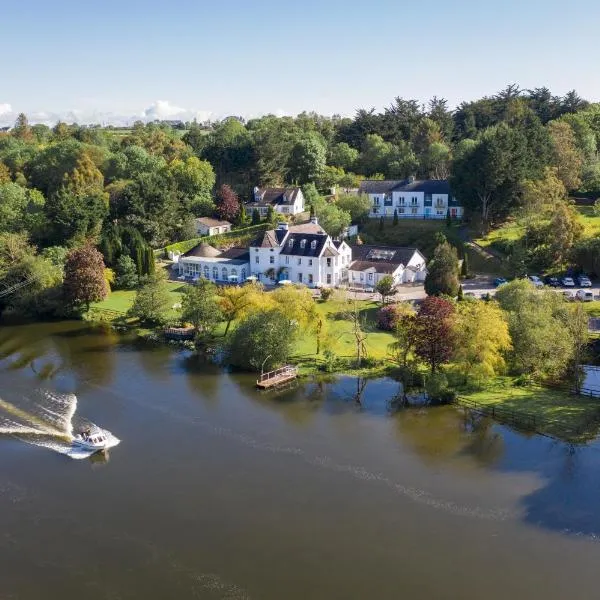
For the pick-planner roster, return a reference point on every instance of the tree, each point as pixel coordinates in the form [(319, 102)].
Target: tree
[(385, 287), (538, 325), (307, 160), (19, 207), (395, 219), (464, 267), (152, 301), (296, 303), (4, 174), (358, 206), (200, 307), (255, 217), (404, 334), (228, 204), (262, 341), (126, 273), (236, 301), (432, 333), (21, 129), (331, 217), (442, 274), (564, 232), (193, 177), (271, 215), (342, 155), (566, 157), (357, 330), (84, 277), (481, 340)]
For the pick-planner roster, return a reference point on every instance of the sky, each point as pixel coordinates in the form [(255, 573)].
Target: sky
[(118, 61)]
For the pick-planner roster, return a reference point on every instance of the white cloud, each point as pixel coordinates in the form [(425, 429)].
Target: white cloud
[(5, 108), (163, 109)]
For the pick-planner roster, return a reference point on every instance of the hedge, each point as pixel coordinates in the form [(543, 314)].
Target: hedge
[(236, 236)]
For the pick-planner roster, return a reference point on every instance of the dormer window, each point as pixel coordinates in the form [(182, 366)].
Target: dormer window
[(291, 243), (313, 245), (303, 244)]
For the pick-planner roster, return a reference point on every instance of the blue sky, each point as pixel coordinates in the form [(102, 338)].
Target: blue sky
[(115, 60)]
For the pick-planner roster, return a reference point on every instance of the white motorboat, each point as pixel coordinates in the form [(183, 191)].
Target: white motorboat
[(94, 439)]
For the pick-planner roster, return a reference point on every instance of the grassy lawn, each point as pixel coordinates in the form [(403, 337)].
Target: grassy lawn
[(342, 341), (561, 414), (512, 230), (120, 301)]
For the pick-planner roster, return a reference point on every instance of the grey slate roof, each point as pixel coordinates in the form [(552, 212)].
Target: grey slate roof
[(428, 186), (276, 196), (375, 186), (384, 259), (209, 222), (293, 245), (237, 253)]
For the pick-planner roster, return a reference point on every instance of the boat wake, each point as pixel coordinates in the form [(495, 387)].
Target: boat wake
[(47, 420)]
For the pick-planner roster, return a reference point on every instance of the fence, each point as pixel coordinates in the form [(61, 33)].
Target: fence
[(518, 419), (281, 373)]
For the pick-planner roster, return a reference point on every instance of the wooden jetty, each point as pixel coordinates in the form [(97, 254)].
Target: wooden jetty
[(179, 333), (278, 377)]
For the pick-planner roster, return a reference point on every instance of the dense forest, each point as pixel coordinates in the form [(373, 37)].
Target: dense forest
[(127, 192)]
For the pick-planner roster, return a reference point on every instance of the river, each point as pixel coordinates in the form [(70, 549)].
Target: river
[(219, 491)]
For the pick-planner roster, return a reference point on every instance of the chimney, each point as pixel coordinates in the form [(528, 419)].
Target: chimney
[(314, 220), (256, 194), (283, 226), (411, 178)]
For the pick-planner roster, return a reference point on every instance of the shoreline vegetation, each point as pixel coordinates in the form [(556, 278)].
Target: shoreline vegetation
[(551, 411)]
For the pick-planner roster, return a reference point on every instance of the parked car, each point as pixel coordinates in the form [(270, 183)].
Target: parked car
[(584, 296), (499, 281), (567, 282), (584, 281), (536, 281), (552, 281), (568, 296)]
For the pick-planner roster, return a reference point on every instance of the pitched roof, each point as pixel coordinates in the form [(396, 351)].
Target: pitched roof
[(304, 244), (384, 259), (237, 253), (377, 186), (274, 237), (208, 222), (428, 186), (203, 250), (275, 195)]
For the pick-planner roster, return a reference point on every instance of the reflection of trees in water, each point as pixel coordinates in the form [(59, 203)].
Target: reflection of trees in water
[(442, 432)]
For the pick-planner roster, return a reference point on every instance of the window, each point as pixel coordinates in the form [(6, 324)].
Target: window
[(387, 200), (362, 277), (300, 277), (284, 209), (313, 244), (243, 274), (291, 243), (414, 200), (224, 273), (414, 210), (310, 278), (328, 262), (303, 244), (299, 261), (215, 273), (310, 262), (271, 260), (375, 210), (401, 201), (257, 259), (206, 272), (329, 278), (400, 211), (375, 200), (234, 272), (287, 260), (370, 276)]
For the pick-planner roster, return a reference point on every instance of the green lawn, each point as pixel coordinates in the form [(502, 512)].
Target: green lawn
[(342, 341), (560, 413), (512, 230)]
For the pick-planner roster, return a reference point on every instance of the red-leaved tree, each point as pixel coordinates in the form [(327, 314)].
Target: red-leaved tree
[(432, 333), (84, 277), (228, 204)]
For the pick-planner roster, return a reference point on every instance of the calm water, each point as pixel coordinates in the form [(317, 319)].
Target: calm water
[(217, 491)]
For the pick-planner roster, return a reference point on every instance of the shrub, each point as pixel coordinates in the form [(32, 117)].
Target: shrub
[(326, 293), (388, 317)]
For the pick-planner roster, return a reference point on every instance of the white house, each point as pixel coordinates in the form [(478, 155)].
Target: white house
[(286, 201), (221, 267), (208, 226), (411, 198), (372, 263), (300, 254)]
